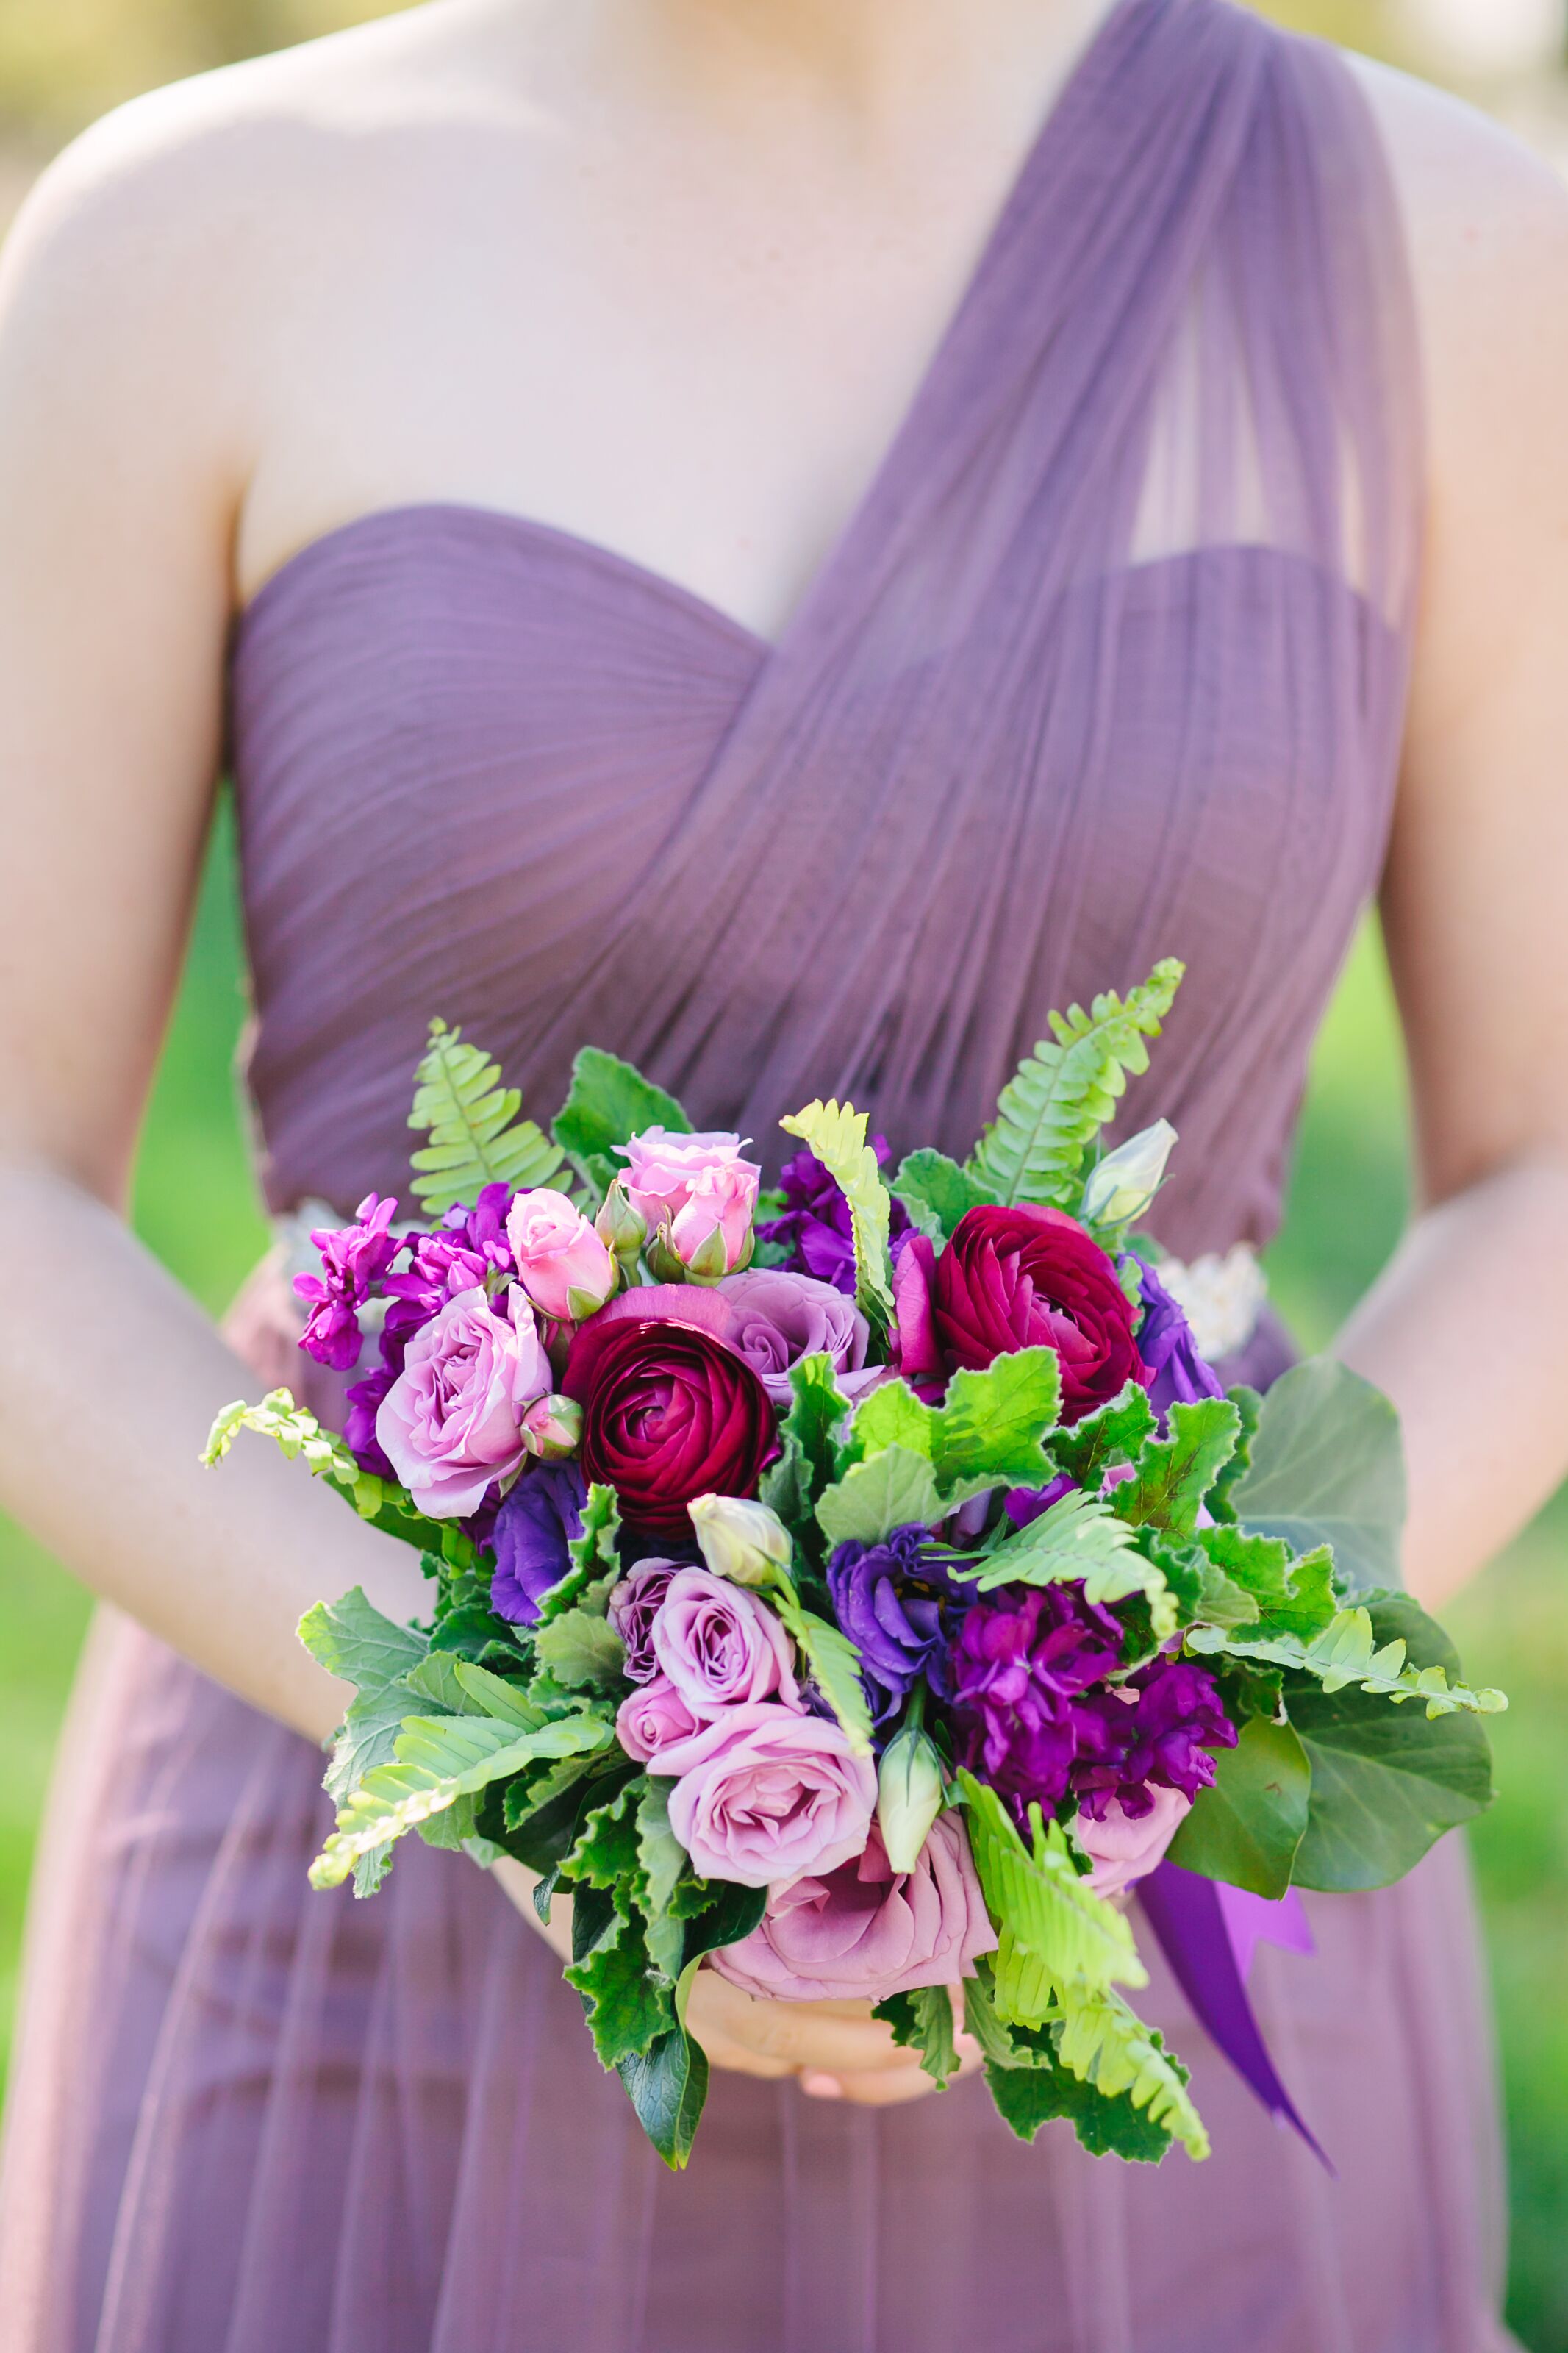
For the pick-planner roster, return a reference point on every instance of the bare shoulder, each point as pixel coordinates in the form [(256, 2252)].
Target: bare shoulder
[(1486, 226)]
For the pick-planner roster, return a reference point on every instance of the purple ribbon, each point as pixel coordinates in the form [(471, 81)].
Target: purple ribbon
[(1207, 1932)]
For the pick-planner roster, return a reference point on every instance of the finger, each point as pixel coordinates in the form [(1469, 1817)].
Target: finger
[(733, 2059), (882, 2089)]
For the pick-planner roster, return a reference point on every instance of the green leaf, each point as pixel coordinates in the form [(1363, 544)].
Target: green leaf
[(609, 1103), (628, 2006), (1386, 1782), (470, 1118), (438, 1760), (1080, 1537), (1289, 1597), (667, 2087), (922, 2021), (809, 1438), (494, 1696), (1349, 1651), (1064, 1094), (1054, 1931), (351, 1638), (895, 1488), (581, 1650), (605, 1853), (1172, 1475), (835, 1665), (1104, 2041), (1327, 1466), (988, 1426), (836, 1134), (594, 1558), (300, 1436), (1028, 2097), (1114, 1433), (937, 1192), (1247, 1828), (662, 1879), (1249, 1407)]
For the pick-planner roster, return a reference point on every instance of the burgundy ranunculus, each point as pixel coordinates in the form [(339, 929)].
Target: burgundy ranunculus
[(669, 1412), (1020, 1278)]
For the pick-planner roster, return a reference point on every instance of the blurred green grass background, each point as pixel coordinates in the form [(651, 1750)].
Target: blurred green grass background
[(60, 62)]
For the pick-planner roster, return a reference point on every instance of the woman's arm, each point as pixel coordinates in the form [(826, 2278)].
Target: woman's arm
[(1464, 1327)]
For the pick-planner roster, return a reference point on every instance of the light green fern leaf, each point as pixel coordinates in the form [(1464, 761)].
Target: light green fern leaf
[(1054, 1931), (1080, 1538), (440, 1758), (476, 1136), (1346, 1653), (1106, 2043), (833, 1662), (836, 1134), (1063, 1094)]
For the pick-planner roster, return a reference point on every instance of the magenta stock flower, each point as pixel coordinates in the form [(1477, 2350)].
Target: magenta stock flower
[(720, 1646), (562, 1264), (353, 1261), (451, 1424), (863, 1931), (762, 1794)]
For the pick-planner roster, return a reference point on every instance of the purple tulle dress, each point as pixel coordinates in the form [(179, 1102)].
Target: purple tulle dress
[(1109, 664)]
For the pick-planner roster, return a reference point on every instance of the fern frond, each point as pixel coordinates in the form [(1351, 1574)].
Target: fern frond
[(1106, 2043), (476, 1137), (1064, 1091), (1346, 1653), (836, 1134), (1054, 1931)]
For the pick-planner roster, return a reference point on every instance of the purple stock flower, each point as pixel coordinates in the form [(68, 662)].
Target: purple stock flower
[(1166, 1344), (363, 1403), (532, 1528), (469, 1245), (816, 1223), (354, 1259), (1161, 1733), (1020, 1667), (888, 1599)]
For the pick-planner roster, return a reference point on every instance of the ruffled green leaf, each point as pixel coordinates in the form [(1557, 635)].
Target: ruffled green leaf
[(595, 1562), (1327, 1467), (610, 1102), (1288, 1597), (833, 1664), (582, 1649), (476, 1136), (353, 1639), (1054, 1930), (937, 1192), (836, 1134), (922, 2021), (1114, 1433), (438, 1760), (1245, 1830), (1172, 1475), (628, 2004), (809, 1437), (1249, 1408), (895, 1488), (1064, 1091), (605, 1852), (987, 1427)]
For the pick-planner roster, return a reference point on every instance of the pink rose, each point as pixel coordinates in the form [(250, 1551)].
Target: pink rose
[(763, 1793), (633, 1606), (699, 1190), (451, 1423), (1122, 1849), (720, 1646), (654, 1718), (864, 1931), (783, 1318), (565, 1267)]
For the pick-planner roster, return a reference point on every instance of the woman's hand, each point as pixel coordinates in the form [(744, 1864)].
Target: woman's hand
[(837, 2049)]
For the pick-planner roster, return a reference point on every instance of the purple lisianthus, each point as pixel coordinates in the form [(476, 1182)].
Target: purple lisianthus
[(1020, 1667), (539, 1517), (355, 1258), (888, 1599), (1157, 1728), (816, 1224), (1165, 1342)]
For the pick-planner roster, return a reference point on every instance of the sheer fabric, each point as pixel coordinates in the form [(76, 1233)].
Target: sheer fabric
[(1109, 664)]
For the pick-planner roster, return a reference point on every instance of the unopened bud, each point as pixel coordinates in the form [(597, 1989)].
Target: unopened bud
[(623, 1228), (908, 1795), (552, 1427), (745, 1542), (1121, 1187)]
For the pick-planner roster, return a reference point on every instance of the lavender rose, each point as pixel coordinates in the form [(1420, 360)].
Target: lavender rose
[(719, 1646), (633, 1605), (450, 1422), (763, 1793), (1125, 1848), (539, 1517), (780, 1319), (652, 1718), (864, 1931), (1017, 1278), (1178, 1375)]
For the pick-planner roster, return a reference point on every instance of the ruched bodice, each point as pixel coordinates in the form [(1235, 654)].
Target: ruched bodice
[(1108, 665)]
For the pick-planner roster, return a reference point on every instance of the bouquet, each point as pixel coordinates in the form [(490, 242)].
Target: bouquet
[(857, 1588)]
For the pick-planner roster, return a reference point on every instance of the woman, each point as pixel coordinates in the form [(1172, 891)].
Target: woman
[(784, 538)]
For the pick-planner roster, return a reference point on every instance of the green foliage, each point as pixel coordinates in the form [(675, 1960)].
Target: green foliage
[(809, 1437), (1113, 1433), (605, 1849), (667, 2087), (1107, 2045), (351, 1638), (627, 2006), (922, 2021), (1245, 1830), (1286, 1595), (986, 1431), (1055, 1933), (1063, 1094), (581, 1649), (1327, 1466), (438, 1760), (476, 1137), (1348, 1651), (300, 1436), (594, 1559), (895, 1488), (836, 1134), (1249, 1408), (833, 1663), (609, 1103), (937, 1192), (1079, 1538), (1172, 1475)]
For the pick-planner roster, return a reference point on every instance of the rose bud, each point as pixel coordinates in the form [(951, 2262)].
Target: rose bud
[(1121, 1187), (552, 1427), (908, 1795), (623, 1229), (567, 1270), (745, 1542), (663, 1169)]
